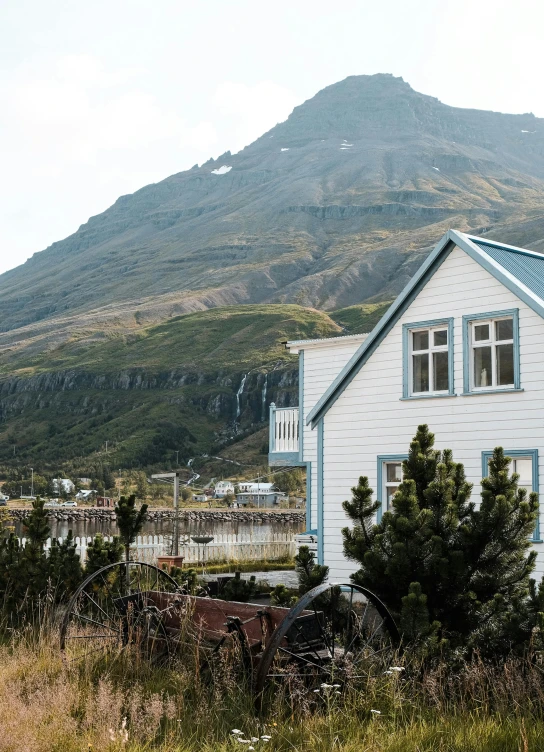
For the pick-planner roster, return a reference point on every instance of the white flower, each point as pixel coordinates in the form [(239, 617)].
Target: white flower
[(316, 690), (397, 668), (376, 712), (235, 731), (387, 672), (326, 686), (254, 738), (265, 737), (336, 686), (243, 741), (251, 747), (337, 692)]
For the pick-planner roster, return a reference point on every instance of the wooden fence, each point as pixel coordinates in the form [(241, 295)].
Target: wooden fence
[(224, 547)]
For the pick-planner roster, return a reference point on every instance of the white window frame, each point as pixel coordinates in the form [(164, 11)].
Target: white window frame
[(492, 342), (429, 352)]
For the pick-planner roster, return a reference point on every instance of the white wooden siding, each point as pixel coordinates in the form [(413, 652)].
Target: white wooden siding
[(322, 364), (370, 419)]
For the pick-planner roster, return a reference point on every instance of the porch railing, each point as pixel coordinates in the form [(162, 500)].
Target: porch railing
[(284, 429)]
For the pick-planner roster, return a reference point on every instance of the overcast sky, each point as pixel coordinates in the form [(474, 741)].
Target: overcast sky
[(101, 98)]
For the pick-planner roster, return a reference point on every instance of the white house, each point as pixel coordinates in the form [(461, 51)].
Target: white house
[(260, 498), (246, 486), (461, 349), (62, 484), (222, 488)]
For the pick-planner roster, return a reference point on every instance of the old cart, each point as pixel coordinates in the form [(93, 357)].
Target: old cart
[(332, 633)]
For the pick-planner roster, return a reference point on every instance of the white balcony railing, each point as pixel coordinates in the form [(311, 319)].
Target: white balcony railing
[(284, 429)]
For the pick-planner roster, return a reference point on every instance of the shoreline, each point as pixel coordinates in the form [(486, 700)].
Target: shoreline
[(80, 514)]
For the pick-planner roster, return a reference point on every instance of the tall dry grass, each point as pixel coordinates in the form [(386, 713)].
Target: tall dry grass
[(126, 704)]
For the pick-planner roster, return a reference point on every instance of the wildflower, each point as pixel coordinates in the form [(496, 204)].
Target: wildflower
[(387, 672), (336, 686), (254, 738), (397, 668), (316, 690), (266, 737), (251, 747), (337, 692), (376, 712), (326, 686), (235, 731)]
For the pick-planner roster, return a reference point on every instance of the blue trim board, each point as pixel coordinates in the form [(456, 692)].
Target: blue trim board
[(513, 453), (379, 478), (308, 496), (301, 404), (271, 427), (406, 329), (287, 459), (320, 520), (514, 313), (427, 269)]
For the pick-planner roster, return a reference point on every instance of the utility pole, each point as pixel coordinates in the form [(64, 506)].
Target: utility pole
[(175, 477), (177, 457), (32, 482)]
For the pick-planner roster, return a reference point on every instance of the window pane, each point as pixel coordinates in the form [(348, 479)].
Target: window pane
[(504, 329), (440, 338), (482, 366), (390, 491), (440, 372), (481, 332), (524, 468), (394, 472), (420, 340), (421, 373), (505, 364)]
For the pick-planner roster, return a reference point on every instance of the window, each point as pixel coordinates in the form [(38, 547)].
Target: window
[(524, 462), (389, 478), (393, 478), (491, 352), (428, 359)]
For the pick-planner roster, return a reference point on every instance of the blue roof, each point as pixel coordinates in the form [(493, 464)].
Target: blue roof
[(526, 266), (520, 270)]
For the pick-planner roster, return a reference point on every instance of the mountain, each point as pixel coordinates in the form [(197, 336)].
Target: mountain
[(331, 211), (333, 207)]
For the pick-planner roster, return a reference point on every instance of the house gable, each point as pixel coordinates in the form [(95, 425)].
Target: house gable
[(500, 260)]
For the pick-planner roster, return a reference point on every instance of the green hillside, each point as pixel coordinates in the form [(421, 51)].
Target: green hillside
[(357, 319), (162, 389)]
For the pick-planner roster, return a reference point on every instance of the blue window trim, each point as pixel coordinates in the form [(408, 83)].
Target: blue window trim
[(320, 517), (513, 453), (406, 329), (514, 313), (379, 478)]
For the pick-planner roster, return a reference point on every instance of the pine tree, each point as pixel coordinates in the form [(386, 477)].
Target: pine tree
[(129, 521), (102, 552), (437, 561), (310, 574)]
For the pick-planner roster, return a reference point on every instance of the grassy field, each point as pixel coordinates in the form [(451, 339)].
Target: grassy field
[(48, 706)]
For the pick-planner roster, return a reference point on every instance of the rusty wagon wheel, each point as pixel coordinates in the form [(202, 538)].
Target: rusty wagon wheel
[(118, 606), (336, 634)]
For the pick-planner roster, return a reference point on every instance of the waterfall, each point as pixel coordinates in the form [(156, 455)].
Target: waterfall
[(263, 401), (239, 394)]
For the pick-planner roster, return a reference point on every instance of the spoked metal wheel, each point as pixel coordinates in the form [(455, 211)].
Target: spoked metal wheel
[(121, 605), (336, 634)]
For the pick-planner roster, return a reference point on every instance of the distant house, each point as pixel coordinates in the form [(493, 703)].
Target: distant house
[(200, 497), (261, 498), (251, 487), (85, 494), (222, 488), (105, 501), (62, 484)]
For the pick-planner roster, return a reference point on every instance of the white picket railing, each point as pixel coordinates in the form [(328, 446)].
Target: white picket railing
[(224, 547), (284, 429)]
